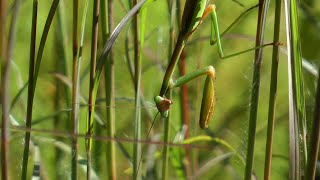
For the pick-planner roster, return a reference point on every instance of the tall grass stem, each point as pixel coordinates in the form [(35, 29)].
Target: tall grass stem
[(92, 93), (30, 88), (314, 139), (106, 27), (75, 92), (297, 138), (137, 78), (273, 91), (262, 15)]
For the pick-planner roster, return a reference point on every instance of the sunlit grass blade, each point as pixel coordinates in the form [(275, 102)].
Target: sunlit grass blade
[(296, 94)]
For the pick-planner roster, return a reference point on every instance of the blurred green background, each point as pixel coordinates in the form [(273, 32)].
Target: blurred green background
[(233, 84)]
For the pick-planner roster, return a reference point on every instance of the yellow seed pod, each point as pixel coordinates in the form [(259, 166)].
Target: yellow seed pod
[(208, 102)]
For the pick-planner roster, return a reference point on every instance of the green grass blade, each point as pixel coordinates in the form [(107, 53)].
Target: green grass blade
[(92, 90), (137, 81), (43, 40), (102, 59), (296, 95), (30, 88), (314, 139), (262, 14)]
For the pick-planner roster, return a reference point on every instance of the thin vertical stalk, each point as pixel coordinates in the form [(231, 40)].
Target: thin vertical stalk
[(262, 15), (4, 92), (298, 80), (106, 26), (166, 125), (102, 59), (165, 153), (101, 62), (43, 40), (94, 43), (314, 139), (34, 78), (75, 92), (273, 91), (137, 76), (30, 88), (83, 25)]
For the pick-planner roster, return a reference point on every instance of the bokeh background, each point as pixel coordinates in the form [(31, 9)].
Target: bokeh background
[(51, 110)]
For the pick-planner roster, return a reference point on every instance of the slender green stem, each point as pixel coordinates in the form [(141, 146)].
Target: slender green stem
[(296, 94), (262, 14), (77, 83), (165, 153), (106, 26), (137, 77), (43, 40), (30, 88), (92, 92), (75, 92), (315, 139), (298, 80), (172, 64), (273, 92), (165, 85)]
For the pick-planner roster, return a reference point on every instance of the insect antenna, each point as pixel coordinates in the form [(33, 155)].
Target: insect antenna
[(147, 139)]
